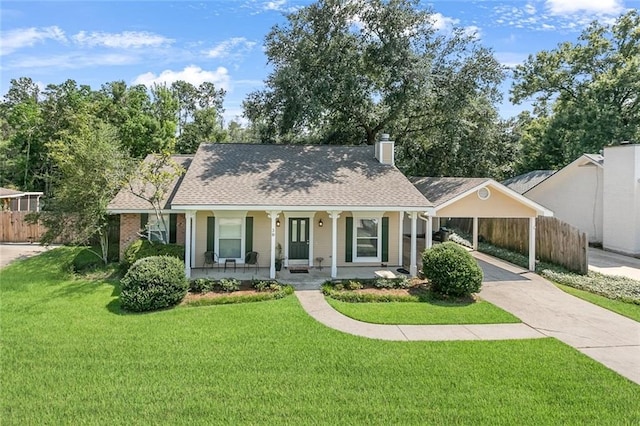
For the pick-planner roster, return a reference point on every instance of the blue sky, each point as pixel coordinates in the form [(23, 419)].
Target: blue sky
[(221, 40)]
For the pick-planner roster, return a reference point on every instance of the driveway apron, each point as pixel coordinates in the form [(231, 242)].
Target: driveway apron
[(605, 336)]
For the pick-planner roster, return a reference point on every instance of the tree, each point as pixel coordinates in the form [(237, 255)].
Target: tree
[(587, 94), (91, 168), (344, 71), (152, 182), (199, 115)]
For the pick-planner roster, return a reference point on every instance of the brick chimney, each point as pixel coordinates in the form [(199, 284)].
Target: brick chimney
[(385, 153)]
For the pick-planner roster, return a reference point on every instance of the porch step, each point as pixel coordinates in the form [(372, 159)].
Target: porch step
[(298, 268)]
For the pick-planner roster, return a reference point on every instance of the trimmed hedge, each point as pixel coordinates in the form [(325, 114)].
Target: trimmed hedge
[(451, 270), (143, 248), (153, 283)]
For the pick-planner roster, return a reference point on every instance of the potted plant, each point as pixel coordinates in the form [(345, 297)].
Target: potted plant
[(279, 257)]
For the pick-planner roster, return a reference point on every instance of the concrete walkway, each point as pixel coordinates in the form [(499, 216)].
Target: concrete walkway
[(12, 251), (545, 310), (610, 263)]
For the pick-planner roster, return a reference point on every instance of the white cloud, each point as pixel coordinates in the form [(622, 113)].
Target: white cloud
[(12, 40), (443, 23), (72, 60), (234, 47), (124, 40), (511, 59), (277, 5), (564, 7), (191, 74)]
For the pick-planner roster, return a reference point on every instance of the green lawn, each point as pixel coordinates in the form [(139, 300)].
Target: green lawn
[(630, 310), (433, 312), (70, 356)]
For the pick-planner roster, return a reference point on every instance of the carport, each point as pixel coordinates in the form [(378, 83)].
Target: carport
[(478, 198)]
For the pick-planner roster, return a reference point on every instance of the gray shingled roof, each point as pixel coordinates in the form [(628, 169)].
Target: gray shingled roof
[(439, 190), (526, 181), (125, 200), (10, 193), (294, 176)]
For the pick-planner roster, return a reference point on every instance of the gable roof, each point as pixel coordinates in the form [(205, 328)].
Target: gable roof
[(589, 160), (439, 190), (524, 182), (444, 191), (126, 201), (232, 176)]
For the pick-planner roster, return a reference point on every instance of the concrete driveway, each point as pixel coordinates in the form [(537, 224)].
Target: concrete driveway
[(12, 251), (609, 263), (605, 336)]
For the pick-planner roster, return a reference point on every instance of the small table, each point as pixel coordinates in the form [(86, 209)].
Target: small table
[(229, 262)]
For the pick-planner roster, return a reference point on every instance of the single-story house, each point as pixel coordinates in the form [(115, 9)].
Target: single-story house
[(597, 193), (346, 205), (25, 201)]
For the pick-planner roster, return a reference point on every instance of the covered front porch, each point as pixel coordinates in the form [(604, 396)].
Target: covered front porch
[(312, 279), (328, 244)]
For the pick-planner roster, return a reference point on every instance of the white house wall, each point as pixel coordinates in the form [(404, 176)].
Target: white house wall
[(575, 196), (622, 199)]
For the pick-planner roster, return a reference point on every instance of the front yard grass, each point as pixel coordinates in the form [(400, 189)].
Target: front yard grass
[(629, 310), (69, 355), (433, 312)]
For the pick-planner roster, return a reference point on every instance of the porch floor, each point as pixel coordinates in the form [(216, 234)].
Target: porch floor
[(300, 281)]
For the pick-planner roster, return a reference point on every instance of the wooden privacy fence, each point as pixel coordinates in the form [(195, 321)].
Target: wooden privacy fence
[(556, 241), (14, 228)]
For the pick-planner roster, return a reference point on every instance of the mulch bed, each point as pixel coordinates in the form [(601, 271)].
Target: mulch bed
[(245, 289)]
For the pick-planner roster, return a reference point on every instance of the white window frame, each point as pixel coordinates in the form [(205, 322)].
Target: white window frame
[(155, 226), (357, 217), (242, 216)]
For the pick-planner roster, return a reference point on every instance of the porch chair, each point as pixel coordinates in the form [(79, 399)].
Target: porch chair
[(211, 259), (251, 259)]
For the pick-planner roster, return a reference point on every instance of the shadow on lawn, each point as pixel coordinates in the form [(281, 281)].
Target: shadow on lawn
[(436, 299)]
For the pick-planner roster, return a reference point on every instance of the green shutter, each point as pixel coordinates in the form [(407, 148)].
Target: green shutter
[(173, 225), (248, 244), (385, 239), (348, 250), (211, 232), (144, 219)]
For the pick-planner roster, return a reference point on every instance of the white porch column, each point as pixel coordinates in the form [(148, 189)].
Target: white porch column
[(532, 243), (187, 243), (273, 215), (400, 238), (413, 268), (334, 215), (428, 234), (475, 233)]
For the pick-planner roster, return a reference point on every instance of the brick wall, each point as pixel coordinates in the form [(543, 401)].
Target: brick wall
[(129, 227), (181, 229)]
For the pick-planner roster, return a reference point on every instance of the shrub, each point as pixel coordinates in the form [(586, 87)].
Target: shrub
[(402, 282), (153, 283), (229, 284), (262, 285), (451, 270), (353, 285), (201, 285), (143, 248), (284, 290)]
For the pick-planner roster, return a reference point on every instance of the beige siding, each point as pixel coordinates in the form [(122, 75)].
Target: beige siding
[(497, 205)]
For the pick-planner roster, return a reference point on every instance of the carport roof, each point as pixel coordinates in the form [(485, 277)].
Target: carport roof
[(445, 191)]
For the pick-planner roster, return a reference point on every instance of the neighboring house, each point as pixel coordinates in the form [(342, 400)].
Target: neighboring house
[(343, 204), (598, 194), (14, 200)]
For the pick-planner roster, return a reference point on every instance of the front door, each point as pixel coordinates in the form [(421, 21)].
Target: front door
[(298, 238)]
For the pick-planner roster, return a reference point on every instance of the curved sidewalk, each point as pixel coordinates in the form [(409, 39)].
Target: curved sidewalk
[(314, 303), (546, 311)]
